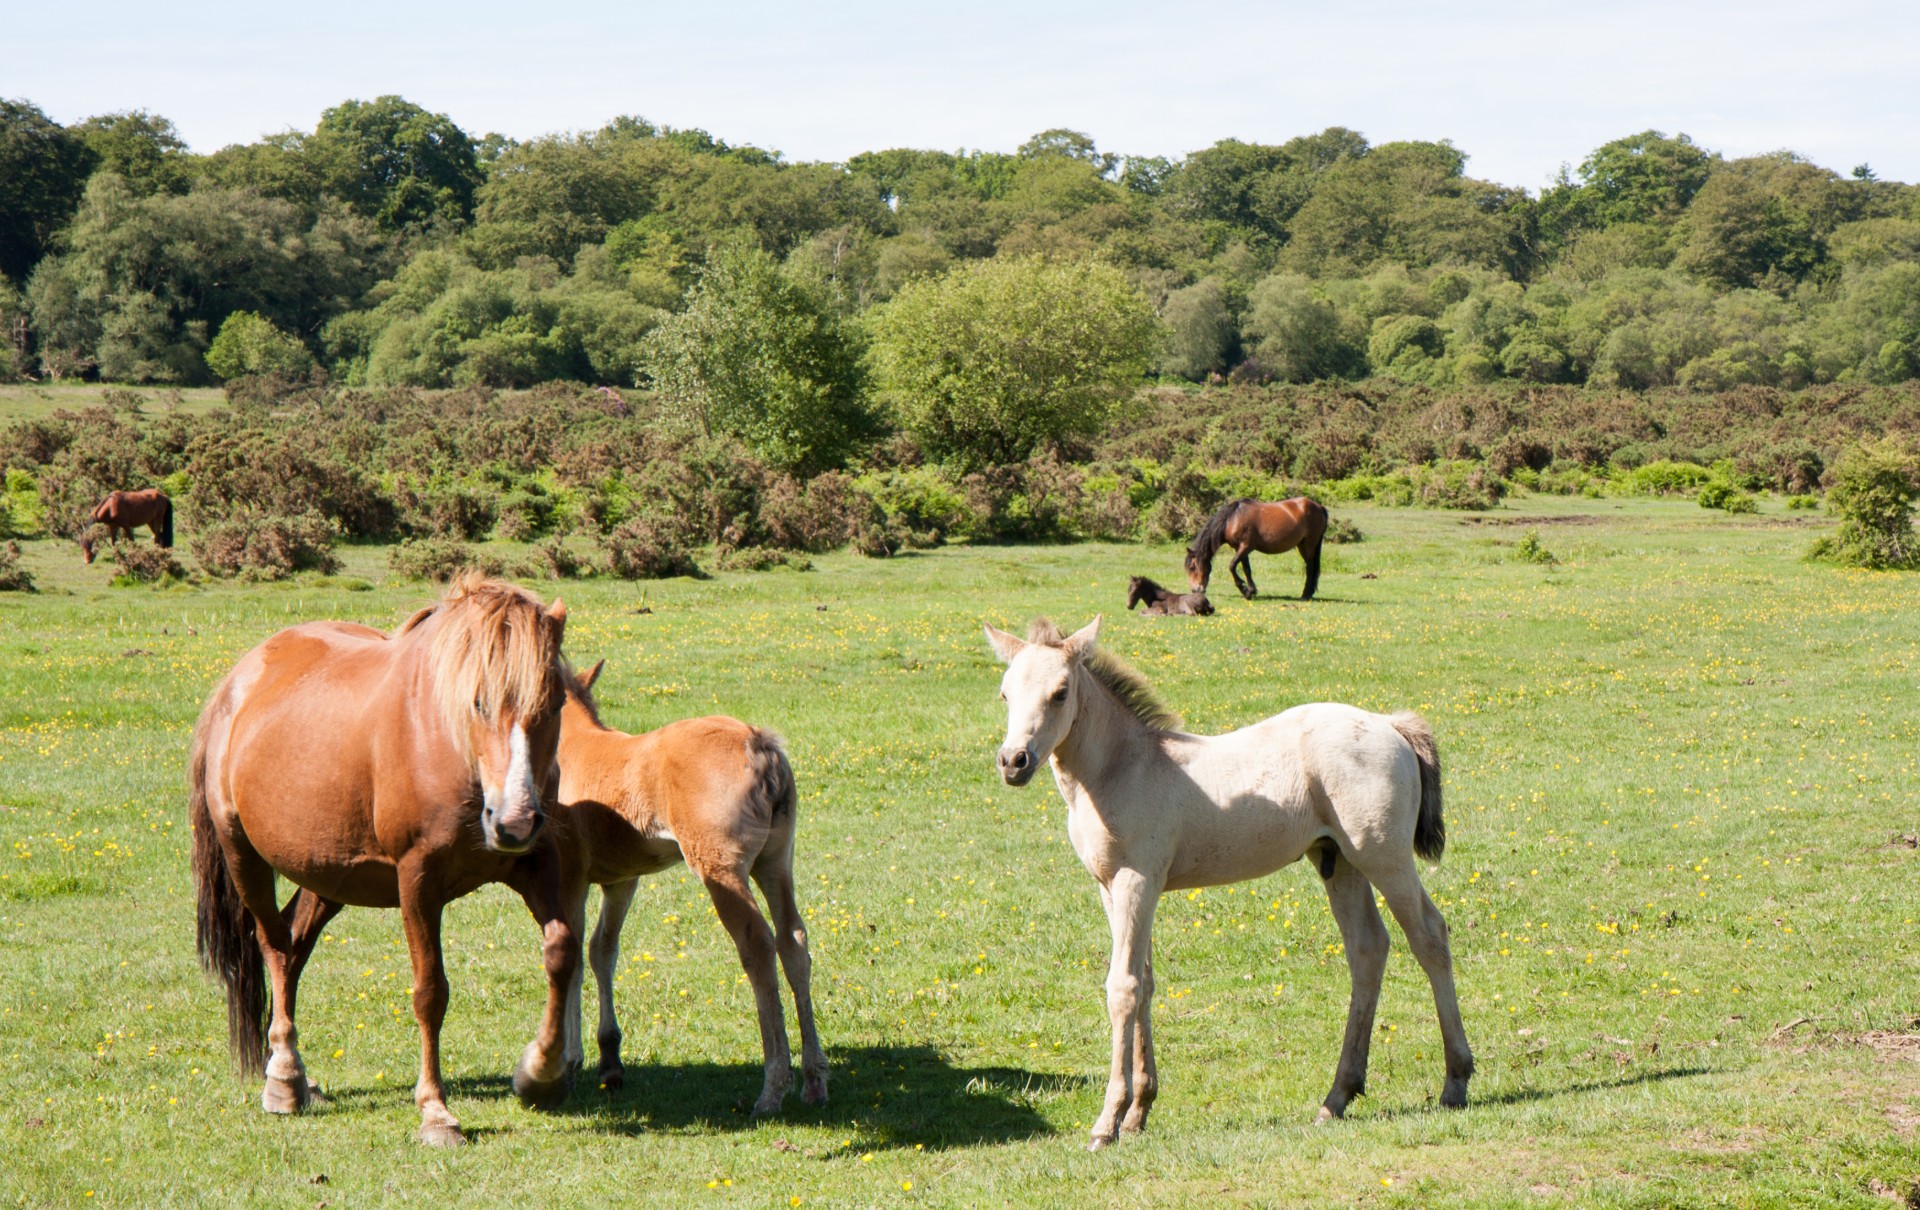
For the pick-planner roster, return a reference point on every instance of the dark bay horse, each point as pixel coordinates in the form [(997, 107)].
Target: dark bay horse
[(378, 770), (1255, 525), (717, 793), (1161, 602), (123, 512)]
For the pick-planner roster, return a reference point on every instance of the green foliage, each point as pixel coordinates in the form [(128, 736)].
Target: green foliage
[(395, 163), (1295, 334), (1873, 491), (13, 577), (437, 559), (248, 343), (142, 148), (1723, 494), (1531, 550), (762, 353), (1664, 478), (1200, 331), (988, 362), (43, 170), (256, 545), (145, 563)]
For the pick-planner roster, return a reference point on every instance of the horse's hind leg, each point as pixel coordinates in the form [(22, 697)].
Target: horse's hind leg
[(604, 953), (1426, 931), (286, 1089), (1365, 938), (733, 899), (790, 935), (1247, 588), (306, 914), (1310, 555)]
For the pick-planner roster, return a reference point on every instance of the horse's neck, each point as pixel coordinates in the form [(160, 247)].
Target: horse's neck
[(1104, 732)]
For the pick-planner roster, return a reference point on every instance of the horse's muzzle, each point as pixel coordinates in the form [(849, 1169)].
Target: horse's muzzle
[(514, 838), (1017, 766)]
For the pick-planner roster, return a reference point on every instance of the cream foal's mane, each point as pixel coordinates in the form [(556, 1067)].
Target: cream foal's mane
[(1119, 678)]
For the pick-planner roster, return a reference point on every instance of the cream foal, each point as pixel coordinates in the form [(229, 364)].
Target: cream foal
[(1150, 809)]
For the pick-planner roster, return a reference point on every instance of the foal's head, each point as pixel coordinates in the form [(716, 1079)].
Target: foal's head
[(1041, 693), (499, 680)]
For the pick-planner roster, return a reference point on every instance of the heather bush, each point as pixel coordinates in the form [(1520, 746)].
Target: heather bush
[(821, 514), (439, 559), (13, 577), (144, 563), (255, 545), (650, 547)]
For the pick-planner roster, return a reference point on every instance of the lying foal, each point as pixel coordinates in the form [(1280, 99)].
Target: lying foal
[(1161, 602)]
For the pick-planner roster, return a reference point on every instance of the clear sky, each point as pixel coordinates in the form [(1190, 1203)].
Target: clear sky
[(1521, 87)]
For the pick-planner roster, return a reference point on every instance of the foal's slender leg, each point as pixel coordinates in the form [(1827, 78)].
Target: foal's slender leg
[(1146, 1076), (574, 900), (1365, 937), (775, 876), (1130, 898), (420, 916), (604, 953), (733, 899), (1426, 931)]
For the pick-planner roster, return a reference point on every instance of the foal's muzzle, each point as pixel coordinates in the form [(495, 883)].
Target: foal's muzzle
[(1017, 766)]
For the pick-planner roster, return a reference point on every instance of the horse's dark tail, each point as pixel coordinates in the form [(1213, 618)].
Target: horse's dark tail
[(1429, 827), (1214, 532), (229, 947), (165, 536), (1310, 546)]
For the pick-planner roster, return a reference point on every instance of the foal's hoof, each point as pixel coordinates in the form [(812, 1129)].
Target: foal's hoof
[(1100, 1142), (441, 1134), (287, 1096), (814, 1091), (539, 1094)]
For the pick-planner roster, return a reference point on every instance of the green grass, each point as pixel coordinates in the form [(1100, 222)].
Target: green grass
[(1679, 766), (36, 400)]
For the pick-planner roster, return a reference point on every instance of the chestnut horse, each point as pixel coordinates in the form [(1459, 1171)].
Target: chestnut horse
[(1162, 602), (400, 770), (122, 512), (1151, 809), (1255, 525), (718, 794)]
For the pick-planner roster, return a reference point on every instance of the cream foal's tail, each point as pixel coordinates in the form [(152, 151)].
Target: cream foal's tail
[(1429, 827)]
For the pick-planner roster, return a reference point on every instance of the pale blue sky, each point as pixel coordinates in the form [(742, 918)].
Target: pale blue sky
[(1521, 87)]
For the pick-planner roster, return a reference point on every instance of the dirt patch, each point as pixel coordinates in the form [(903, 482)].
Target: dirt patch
[(1886, 1043), (1904, 1119), (1709, 1141), (1568, 519)]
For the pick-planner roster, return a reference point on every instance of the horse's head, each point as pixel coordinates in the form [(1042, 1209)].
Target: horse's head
[(86, 547), (1041, 692), (500, 678), (1199, 571), (1136, 590)]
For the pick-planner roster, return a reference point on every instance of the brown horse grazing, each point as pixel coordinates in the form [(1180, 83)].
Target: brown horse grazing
[(1161, 602), (1254, 525), (719, 794), (379, 770), (123, 512)]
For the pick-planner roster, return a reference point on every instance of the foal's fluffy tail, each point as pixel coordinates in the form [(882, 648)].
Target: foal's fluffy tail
[(773, 787), (1429, 827), (229, 947)]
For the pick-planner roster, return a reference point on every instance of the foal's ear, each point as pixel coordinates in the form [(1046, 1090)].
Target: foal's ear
[(1005, 646), (557, 614), (1079, 644), (592, 674)]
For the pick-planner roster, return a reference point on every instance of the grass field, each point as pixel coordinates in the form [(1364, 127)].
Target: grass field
[(33, 400), (1681, 875)]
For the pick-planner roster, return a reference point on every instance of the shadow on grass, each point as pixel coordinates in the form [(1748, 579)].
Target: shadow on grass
[(892, 1096), (1524, 1096)]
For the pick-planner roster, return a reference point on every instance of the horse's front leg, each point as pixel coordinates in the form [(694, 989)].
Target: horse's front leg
[(543, 1078), (1130, 901), (420, 907), (604, 954)]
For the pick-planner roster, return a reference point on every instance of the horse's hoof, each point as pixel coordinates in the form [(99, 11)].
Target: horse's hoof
[(441, 1134), (1100, 1142), (613, 1078), (539, 1094), (814, 1092), (285, 1096), (1326, 1114), (767, 1105), (1453, 1098)]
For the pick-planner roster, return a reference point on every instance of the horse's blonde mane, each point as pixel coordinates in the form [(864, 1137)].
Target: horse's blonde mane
[(493, 650), (1119, 678)]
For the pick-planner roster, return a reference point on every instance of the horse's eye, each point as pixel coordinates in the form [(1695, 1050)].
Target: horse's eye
[(478, 708), (1060, 694)]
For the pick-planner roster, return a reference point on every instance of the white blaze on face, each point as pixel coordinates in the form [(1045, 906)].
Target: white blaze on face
[(516, 795)]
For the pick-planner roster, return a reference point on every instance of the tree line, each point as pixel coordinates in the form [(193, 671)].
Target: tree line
[(808, 307)]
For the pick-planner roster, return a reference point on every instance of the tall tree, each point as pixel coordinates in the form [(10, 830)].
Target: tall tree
[(143, 148), (43, 172), (396, 163)]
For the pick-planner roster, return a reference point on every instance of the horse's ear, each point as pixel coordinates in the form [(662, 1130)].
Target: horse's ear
[(1080, 643), (557, 614), (592, 674), (1005, 646)]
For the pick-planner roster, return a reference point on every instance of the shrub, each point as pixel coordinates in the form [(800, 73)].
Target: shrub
[(1663, 478), (1033, 501), (1719, 493), (257, 545), (141, 563), (1342, 532), (1464, 485), (760, 558), (1802, 503), (1872, 492), (552, 560), (921, 504), (819, 515), (650, 547), (1529, 550), (13, 577), (438, 559), (249, 343)]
